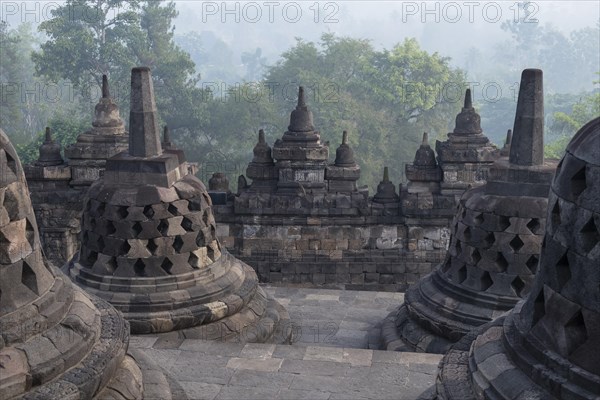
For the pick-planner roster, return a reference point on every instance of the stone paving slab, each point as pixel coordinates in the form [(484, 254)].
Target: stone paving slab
[(335, 318), (329, 359), (215, 371)]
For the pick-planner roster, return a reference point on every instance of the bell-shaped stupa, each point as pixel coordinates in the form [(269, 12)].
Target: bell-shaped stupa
[(107, 137), (548, 346), (150, 248), (467, 155), (343, 174), (56, 341), (494, 247)]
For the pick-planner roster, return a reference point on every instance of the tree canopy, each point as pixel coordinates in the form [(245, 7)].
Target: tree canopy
[(215, 105), (385, 99)]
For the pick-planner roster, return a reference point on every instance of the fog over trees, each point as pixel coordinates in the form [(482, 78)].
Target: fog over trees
[(384, 71)]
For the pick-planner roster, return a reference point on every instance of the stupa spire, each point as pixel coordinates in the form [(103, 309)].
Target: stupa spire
[(344, 155), (527, 147), (505, 151), (144, 139), (262, 151), (105, 90), (301, 119), (301, 102), (48, 138), (49, 151), (166, 135), (468, 100), (386, 192), (468, 121)]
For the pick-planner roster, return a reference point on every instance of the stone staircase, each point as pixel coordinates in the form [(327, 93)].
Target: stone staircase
[(225, 370), (331, 357)]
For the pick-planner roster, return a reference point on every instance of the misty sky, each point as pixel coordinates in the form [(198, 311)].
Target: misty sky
[(447, 27), (452, 28)]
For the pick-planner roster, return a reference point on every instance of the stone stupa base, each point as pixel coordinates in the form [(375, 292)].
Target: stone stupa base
[(262, 320), (431, 320), (224, 302), (493, 362), (74, 346), (400, 333)]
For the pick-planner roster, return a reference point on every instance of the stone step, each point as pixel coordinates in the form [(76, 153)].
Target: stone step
[(336, 318), (224, 370)]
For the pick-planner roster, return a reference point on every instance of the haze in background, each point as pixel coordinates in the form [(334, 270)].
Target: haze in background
[(466, 31)]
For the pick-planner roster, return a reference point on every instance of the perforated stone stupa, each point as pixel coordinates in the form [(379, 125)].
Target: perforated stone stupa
[(548, 346), (150, 248), (495, 243), (56, 341)]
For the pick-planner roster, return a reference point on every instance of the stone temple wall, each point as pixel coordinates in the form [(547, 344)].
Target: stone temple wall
[(57, 207), (300, 229), (59, 215), (298, 219), (368, 253)]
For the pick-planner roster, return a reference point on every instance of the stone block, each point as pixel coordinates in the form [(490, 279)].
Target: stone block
[(355, 244), (328, 244), (341, 244)]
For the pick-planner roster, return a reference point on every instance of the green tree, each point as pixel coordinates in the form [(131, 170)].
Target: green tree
[(213, 57), (177, 95), (565, 125), (64, 128), (384, 99), (226, 139), (10, 78), (26, 102), (88, 38), (548, 47), (255, 64)]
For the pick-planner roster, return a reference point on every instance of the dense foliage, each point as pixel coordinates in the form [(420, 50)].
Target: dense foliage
[(215, 104)]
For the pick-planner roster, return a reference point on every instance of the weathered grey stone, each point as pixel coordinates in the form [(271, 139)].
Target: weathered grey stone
[(149, 244), (56, 341), (492, 259), (386, 192), (546, 347), (527, 146), (466, 156), (300, 156), (505, 151), (145, 140), (49, 151)]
